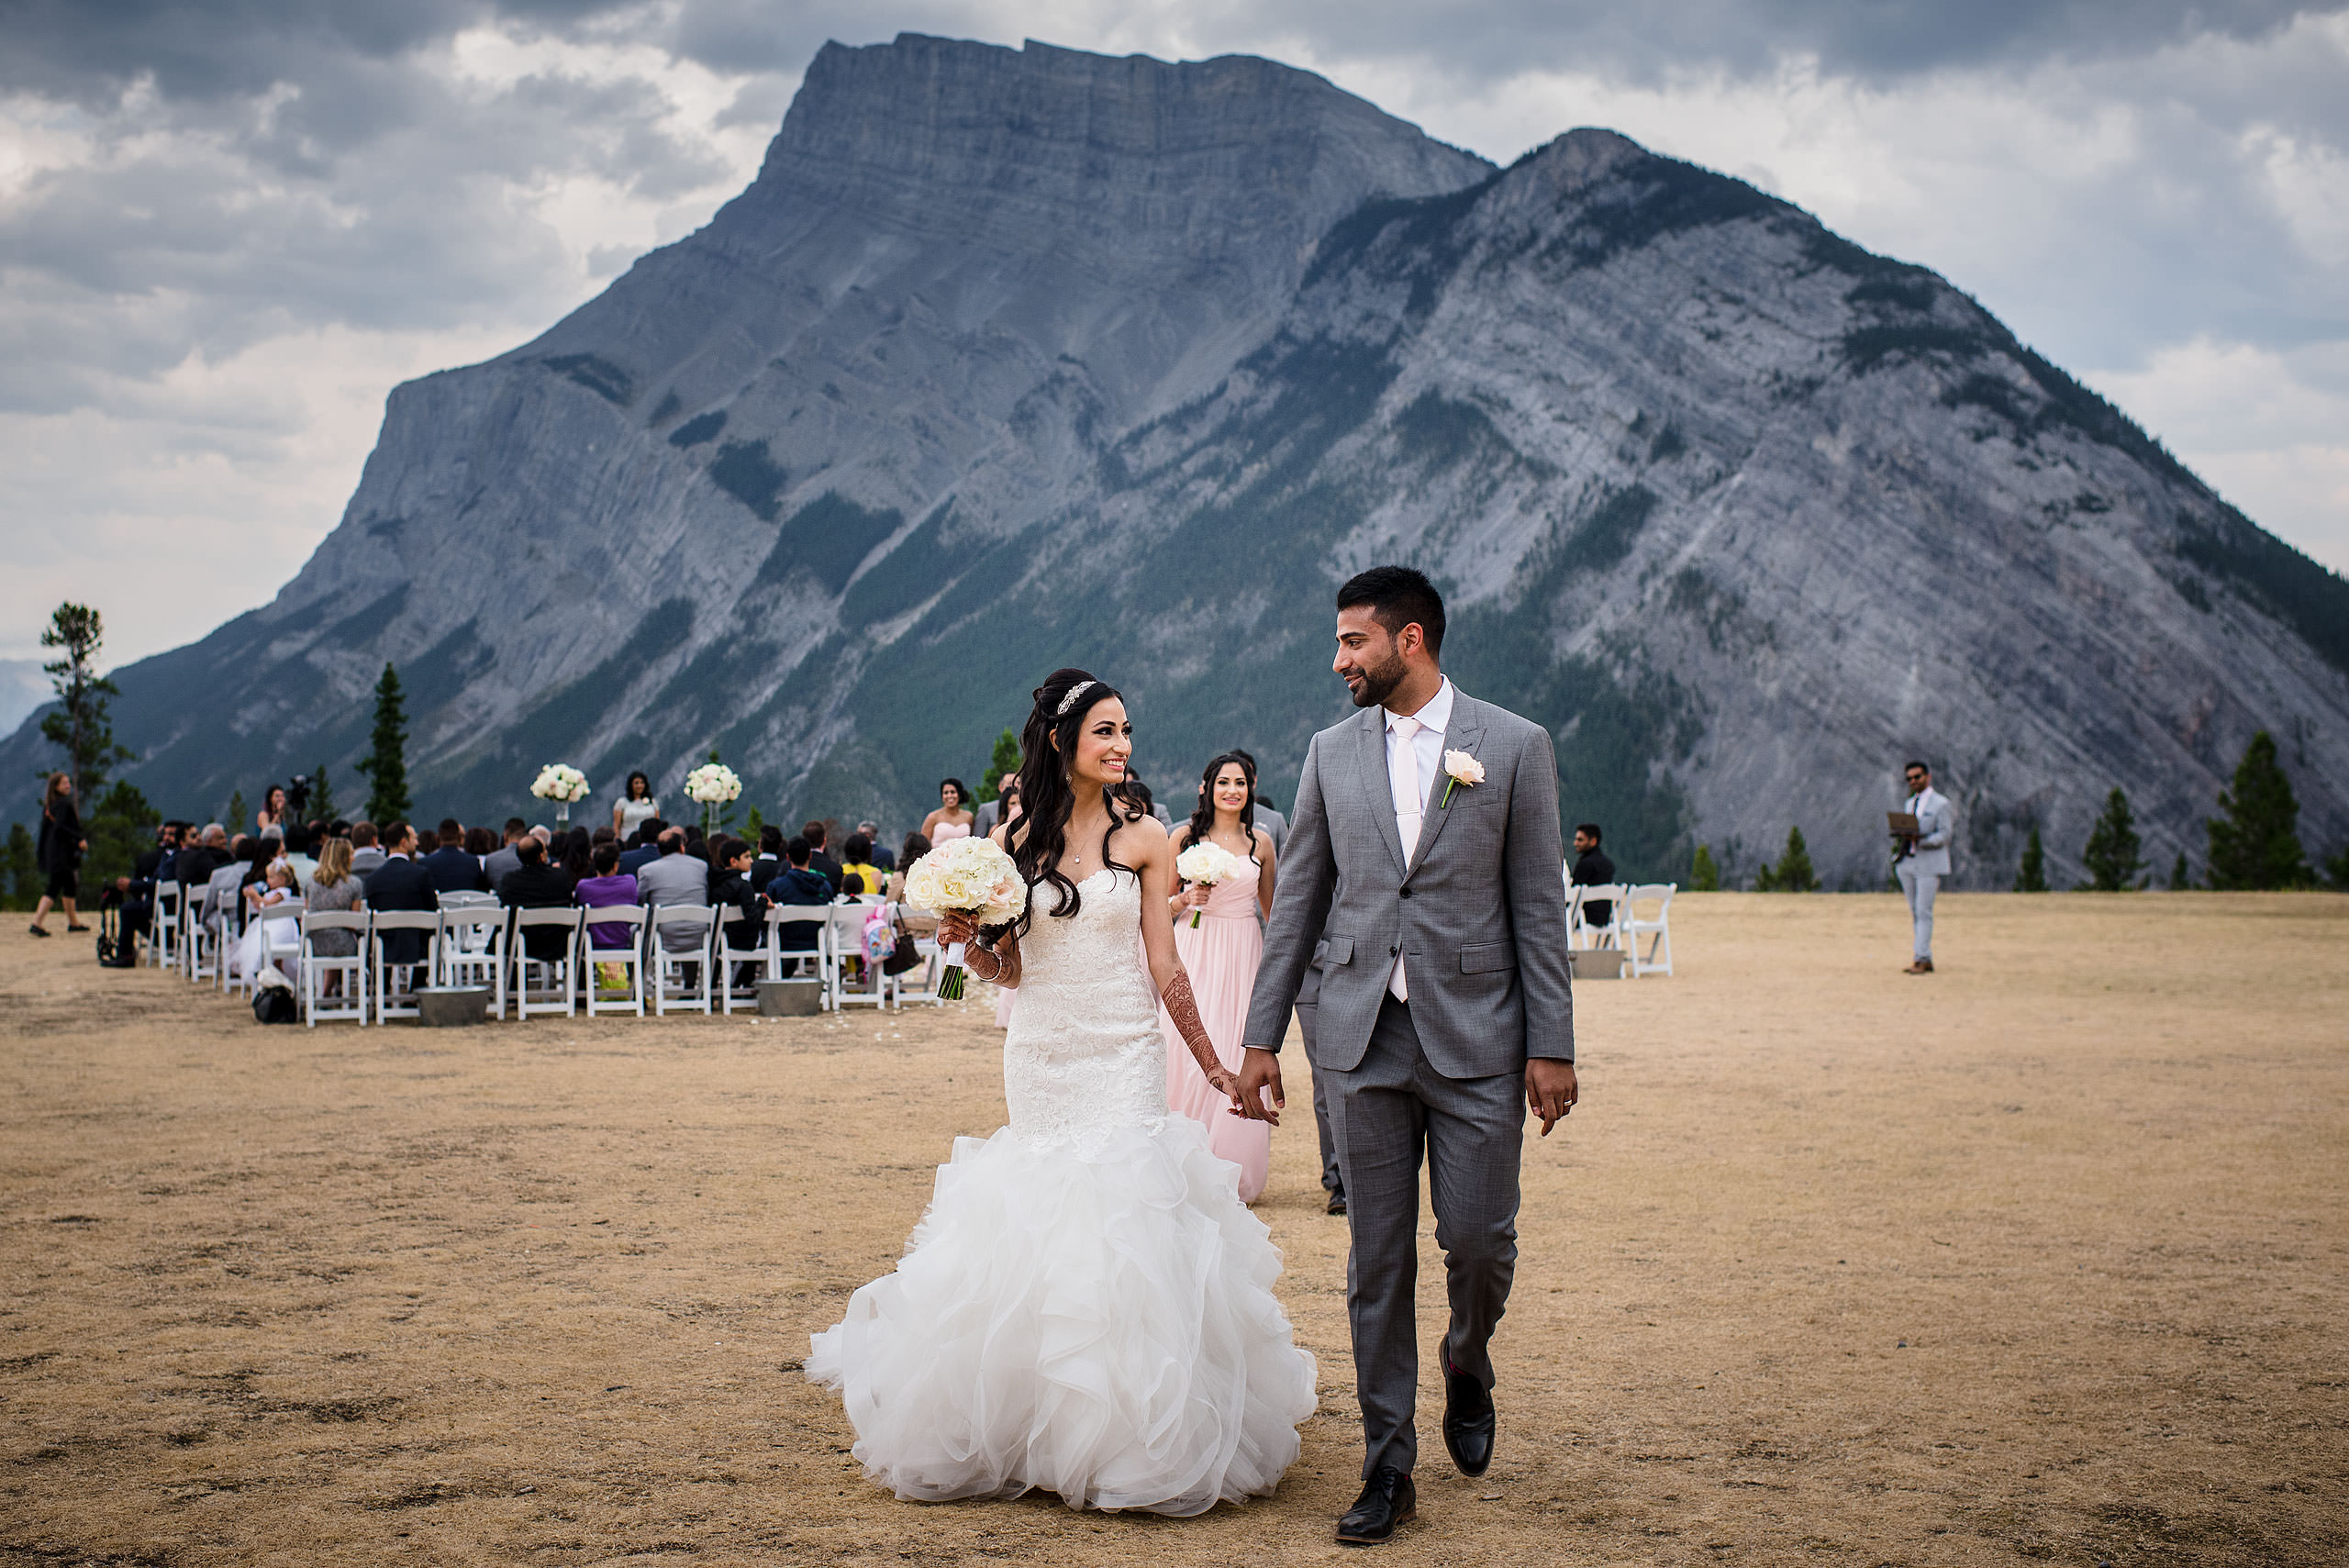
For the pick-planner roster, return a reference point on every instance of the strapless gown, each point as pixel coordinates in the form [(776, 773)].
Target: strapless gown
[(950, 831), (1221, 955), (1087, 1308)]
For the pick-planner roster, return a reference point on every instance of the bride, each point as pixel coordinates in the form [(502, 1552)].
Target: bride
[(1087, 1307)]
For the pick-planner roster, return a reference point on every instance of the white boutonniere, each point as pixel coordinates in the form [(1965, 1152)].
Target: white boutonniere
[(1461, 769)]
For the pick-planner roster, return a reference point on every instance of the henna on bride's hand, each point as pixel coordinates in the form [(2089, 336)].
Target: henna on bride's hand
[(1184, 1008)]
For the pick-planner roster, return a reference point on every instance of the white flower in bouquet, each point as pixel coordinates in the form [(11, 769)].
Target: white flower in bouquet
[(561, 782), (1205, 864), (713, 784), (971, 876)]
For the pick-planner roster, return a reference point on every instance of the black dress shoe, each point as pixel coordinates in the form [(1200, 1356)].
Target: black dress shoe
[(1468, 1420), (1387, 1501), (1337, 1203)]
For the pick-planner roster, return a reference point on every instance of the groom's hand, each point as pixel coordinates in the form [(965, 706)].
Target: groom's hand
[(1260, 1070), (1550, 1090)]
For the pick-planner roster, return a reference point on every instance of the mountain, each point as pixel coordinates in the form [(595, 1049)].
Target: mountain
[(23, 688), (1009, 359)]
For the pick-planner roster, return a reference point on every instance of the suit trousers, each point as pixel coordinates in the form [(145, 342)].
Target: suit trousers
[(1387, 1114), (1308, 1000), (1920, 886)]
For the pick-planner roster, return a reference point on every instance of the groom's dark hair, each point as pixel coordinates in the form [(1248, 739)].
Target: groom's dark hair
[(1397, 595)]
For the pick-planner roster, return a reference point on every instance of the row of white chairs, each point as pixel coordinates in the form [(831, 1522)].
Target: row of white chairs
[(677, 958), (1625, 923)]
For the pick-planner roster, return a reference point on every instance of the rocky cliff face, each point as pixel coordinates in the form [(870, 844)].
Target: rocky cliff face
[(1016, 358)]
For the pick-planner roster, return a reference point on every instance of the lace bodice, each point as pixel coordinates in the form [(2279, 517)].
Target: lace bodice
[(1084, 1054)]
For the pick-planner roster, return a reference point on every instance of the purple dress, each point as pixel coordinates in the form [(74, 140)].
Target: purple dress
[(600, 893)]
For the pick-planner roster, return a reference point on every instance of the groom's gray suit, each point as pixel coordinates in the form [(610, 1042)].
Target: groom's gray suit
[(1478, 918)]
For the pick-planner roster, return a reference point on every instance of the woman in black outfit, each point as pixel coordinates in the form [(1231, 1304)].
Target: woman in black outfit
[(59, 852)]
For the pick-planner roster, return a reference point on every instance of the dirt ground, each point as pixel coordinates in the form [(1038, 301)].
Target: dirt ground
[(2039, 1258)]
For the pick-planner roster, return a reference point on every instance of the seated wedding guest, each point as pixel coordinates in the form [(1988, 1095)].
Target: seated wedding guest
[(534, 884), (220, 895), (952, 819), (138, 889), (819, 863), (798, 886), (366, 855), (400, 883), (481, 843), (499, 863), (1592, 869), (908, 853), (333, 890), (880, 855), (574, 854), (200, 855), (859, 865), (675, 878), (648, 847), (730, 889), (300, 855), (269, 849), (274, 913), (635, 807), (769, 862), (450, 869), (609, 885)]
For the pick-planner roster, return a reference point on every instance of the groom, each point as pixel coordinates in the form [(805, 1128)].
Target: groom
[(1424, 870)]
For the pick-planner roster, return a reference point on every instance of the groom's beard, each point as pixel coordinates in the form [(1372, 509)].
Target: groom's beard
[(1379, 680)]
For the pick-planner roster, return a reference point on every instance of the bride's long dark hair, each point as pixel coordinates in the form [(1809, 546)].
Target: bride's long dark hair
[(1047, 792), (1203, 815)]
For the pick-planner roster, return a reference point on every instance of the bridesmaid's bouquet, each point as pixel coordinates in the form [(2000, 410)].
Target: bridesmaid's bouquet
[(970, 876), (1207, 864)]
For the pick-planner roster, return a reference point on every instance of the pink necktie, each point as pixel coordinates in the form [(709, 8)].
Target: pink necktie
[(1405, 780)]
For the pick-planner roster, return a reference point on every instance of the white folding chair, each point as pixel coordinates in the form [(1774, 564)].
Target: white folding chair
[(278, 948), (925, 987), (389, 986), (803, 966), (467, 898), (1658, 929), (558, 978), (731, 960), (472, 950), (165, 949), (1607, 933), (672, 988), (316, 966), (847, 931), (232, 932), (629, 998)]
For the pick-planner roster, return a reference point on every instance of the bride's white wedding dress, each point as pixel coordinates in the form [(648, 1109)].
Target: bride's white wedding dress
[(1087, 1307)]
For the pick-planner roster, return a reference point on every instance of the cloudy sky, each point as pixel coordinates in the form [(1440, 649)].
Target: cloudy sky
[(228, 230)]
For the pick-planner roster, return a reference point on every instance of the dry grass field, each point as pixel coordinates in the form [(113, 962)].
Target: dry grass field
[(2039, 1258)]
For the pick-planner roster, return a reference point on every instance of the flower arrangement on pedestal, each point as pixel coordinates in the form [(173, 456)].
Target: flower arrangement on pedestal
[(562, 783), (713, 785)]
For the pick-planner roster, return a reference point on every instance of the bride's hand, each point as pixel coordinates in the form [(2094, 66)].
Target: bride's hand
[(956, 926), (1222, 1082)]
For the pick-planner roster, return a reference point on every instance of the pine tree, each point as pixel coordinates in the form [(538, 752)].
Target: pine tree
[(121, 827), (754, 822), (2336, 868), (1005, 761), (22, 880), (78, 724), (321, 795), (2112, 856), (1704, 876), (2031, 876), (1793, 872), (385, 767), (2255, 844), (238, 822), (2178, 881)]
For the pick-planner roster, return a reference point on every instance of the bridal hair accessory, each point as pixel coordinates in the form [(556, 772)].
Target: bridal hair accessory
[(1462, 768), (974, 877), (1073, 693)]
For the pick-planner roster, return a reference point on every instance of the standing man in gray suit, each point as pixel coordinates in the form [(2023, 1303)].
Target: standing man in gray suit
[(1424, 871), (1921, 858)]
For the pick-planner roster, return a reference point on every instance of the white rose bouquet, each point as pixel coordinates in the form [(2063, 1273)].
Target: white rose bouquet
[(562, 783), (713, 784), (975, 877), (1207, 864)]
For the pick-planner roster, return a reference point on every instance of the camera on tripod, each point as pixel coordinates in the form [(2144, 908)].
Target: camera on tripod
[(297, 795)]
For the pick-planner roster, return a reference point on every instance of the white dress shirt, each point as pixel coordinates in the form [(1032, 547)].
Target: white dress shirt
[(1414, 758)]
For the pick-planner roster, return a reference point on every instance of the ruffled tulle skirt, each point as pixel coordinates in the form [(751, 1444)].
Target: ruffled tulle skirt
[(1099, 1324)]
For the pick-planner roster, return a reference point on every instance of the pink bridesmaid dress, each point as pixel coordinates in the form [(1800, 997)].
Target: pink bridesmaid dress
[(1220, 954)]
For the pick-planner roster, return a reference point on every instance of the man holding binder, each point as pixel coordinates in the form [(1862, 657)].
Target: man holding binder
[(1920, 856)]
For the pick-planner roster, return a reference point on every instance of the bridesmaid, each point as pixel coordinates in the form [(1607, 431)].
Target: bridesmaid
[(1220, 954), (953, 817)]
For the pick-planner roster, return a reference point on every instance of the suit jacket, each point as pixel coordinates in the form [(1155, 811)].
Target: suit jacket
[(823, 866), (196, 864), (1935, 821), (1273, 823), (401, 883), (985, 816), (453, 870), (502, 863), (636, 860), (540, 886), (366, 862), (1478, 916), (680, 878)]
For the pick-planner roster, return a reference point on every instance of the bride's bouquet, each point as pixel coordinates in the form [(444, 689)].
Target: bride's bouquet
[(562, 783), (1205, 864), (971, 876)]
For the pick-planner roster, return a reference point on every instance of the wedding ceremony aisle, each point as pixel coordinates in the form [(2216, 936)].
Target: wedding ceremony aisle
[(2035, 1258)]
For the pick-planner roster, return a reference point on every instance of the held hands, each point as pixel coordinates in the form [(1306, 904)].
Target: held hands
[(1550, 1090), (1260, 1071)]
